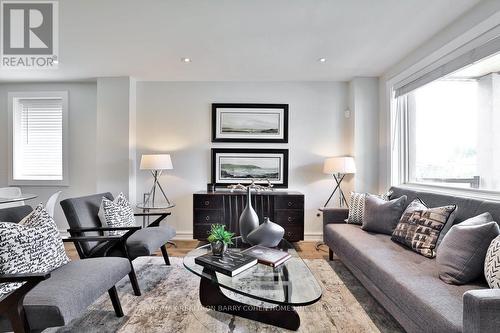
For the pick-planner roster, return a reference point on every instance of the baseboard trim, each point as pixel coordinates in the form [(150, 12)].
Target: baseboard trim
[(183, 235), (313, 236)]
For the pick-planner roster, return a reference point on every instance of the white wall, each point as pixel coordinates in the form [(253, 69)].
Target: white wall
[(82, 136), (174, 117), (114, 132), (364, 106), (482, 19)]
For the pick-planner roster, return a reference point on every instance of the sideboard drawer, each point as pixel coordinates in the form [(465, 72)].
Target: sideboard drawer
[(290, 217), (290, 202), (294, 234), (207, 216), (201, 231), (207, 201)]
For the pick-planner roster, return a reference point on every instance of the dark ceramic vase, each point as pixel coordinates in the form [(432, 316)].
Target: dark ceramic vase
[(218, 248), (268, 234), (248, 218)]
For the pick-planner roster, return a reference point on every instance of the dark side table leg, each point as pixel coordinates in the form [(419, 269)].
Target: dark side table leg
[(281, 316)]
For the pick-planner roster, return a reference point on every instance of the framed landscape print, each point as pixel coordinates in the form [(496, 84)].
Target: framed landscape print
[(236, 165), (250, 123)]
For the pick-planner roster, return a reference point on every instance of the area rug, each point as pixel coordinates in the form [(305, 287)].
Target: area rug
[(169, 303)]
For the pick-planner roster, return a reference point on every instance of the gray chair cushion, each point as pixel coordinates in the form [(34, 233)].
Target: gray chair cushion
[(408, 279), (82, 212), (461, 255), (70, 290), (146, 241), (14, 214), (382, 216)]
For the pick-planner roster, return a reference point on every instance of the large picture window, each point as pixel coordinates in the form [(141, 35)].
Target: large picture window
[(38, 123), (448, 129)]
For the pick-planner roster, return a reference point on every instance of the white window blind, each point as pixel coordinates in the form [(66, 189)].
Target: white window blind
[(428, 75), (38, 139)]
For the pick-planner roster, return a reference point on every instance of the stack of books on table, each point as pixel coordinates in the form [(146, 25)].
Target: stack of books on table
[(268, 256), (234, 262), (231, 263)]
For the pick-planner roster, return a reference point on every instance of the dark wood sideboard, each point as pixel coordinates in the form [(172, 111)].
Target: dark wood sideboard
[(225, 207)]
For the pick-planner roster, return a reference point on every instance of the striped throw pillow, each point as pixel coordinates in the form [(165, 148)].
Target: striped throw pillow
[(357, 206)]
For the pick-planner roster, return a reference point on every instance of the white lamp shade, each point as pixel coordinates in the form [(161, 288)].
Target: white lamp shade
[(342, 164), (156, 162)]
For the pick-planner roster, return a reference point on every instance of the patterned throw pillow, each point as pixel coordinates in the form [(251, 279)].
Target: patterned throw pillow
[(492, 264), (33, 245), (406, 227), (357, 206), (116, 213), (422, 228)]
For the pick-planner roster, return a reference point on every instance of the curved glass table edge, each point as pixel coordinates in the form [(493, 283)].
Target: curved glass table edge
[(284, 245), (23, 197)]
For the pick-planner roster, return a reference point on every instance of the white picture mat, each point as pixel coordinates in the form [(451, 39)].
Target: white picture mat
[(219, 156), (221, 112)]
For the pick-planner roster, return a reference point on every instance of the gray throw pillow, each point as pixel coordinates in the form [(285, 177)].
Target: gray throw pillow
[(382, 216), (460, 257), (357, 206)]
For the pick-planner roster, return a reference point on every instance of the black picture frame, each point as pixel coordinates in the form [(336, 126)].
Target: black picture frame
[(282, 109), (240, 152)]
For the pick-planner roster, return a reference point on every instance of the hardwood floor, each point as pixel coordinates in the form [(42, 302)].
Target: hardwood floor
[(306, 249)]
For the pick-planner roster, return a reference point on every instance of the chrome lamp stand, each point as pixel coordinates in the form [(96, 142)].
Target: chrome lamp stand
[(339, 177), (149, 201), (342, 200)]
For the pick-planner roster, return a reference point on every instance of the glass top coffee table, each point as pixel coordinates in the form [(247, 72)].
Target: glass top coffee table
[(288, 285)]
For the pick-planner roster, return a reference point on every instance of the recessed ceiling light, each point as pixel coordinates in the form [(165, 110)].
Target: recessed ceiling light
[(186, 60), (322, 59)]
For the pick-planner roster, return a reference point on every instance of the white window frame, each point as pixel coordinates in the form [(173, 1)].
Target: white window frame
[(63, 95), (398, 154), (400, 157)]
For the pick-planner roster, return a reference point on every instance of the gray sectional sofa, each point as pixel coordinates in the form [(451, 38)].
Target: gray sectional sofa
[(406, 283)]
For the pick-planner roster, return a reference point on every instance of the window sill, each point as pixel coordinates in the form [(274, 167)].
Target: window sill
[(39, 183), (463, 192)]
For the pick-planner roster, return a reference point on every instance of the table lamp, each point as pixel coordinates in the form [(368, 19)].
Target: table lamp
[(338, 167), (156, 163)]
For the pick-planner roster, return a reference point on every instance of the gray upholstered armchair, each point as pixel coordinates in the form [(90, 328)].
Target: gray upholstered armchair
[(55, 298), (88, 233)]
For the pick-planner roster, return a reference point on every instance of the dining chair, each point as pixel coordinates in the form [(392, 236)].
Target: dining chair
[(11, 192), (51, 203)]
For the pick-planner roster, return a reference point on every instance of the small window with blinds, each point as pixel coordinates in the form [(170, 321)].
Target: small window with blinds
[(38, 138)]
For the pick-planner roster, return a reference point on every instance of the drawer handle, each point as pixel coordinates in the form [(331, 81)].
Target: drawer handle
[(290, 219), (289, 233), (290, 204), (207, 203), (207, 232), (207, 218)]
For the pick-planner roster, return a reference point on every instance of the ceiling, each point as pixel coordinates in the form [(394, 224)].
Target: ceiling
[(240, 39)]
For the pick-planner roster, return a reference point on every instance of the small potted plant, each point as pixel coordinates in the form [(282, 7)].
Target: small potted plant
[(219, 239)]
